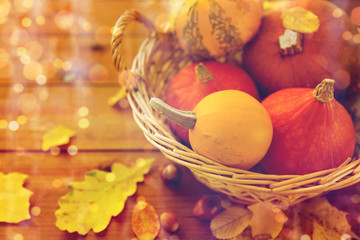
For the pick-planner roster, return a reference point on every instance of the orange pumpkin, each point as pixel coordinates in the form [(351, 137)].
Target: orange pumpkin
[(230, 127), (322, 54), (215, 28)]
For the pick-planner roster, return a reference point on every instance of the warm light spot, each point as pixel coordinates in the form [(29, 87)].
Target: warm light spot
[(18, 236), (40, 20), (23, 6), (32, 70), (4, 57), (355, 16), (345, 236), (55, 151), (342, 79), (356, 38), (43, 94), (25, 59), (66, 65), (34, 50), (13, 125), (5, 7), (86, 26), (355, 198), (3, 124), (98, 73), (110, 177), (103, 34), (41, 79), (84, 123), (26, 22), (337, 13), (35, 211), (72, 150), (21, 119), (57, 183), (140, 162), (58, 63), (21, 51), (64, 19), (140, 205), (305, 237), (347, 35), (124, 103), (18, 88), (83, 111)]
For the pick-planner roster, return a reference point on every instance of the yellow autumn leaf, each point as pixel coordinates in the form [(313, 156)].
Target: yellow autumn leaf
[(231, 222), (119, 95), (90, 204), (301, 20), (57, 136), (266, 219), (14, 198)]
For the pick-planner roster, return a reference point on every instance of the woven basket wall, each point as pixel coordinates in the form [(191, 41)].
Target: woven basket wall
[(158, 60)]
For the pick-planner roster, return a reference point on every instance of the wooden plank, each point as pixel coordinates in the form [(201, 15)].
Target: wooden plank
[(44, 169), (47, 107)]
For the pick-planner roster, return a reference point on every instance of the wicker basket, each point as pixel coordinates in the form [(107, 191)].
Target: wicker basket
[(157, 61)]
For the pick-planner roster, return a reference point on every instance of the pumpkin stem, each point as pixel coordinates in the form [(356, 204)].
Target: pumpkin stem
[(203, 74), (290, 42), (186, 119), (324, 91)]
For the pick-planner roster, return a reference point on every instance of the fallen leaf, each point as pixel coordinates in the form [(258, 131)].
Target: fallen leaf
[(119, 95), (301, 20), (91, 203), (14, 198), (267, 219), (231, 222), (319, 209), (322, 233), (57, 136), (145, 221)]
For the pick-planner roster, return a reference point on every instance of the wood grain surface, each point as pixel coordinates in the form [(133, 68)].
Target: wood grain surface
[(69, 40)]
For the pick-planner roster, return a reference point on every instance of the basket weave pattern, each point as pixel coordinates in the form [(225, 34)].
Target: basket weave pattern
[(159, 58)]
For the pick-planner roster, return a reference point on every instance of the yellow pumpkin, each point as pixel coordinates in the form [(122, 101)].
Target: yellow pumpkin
[(215, 28), (230, 127)]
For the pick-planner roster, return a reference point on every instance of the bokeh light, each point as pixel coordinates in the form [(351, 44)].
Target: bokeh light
[(84, 123), (355, 16), (337, 13), (32, 70), (26, 22), (13, 125), (72, 150), (110, 177), (34, 50), (35, 211), (18, 236), (57, 183), (40, 20), (4, 57), (347, 35), (22, 119), (64, 19), (3, 124), (83, 111)]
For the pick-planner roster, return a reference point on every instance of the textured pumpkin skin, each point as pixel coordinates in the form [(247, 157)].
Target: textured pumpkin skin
[(232, 128), (215, 28), (325, 53), (185, 90), (308, 135)]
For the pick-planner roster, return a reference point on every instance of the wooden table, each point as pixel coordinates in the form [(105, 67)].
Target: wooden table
[(69, 39)]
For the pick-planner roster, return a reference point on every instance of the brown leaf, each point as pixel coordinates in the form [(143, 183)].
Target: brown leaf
[(145, 221), (231, 222), (322, 233), (267, 219)]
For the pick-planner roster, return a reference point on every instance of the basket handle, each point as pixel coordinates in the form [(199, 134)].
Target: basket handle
[(118, 35)]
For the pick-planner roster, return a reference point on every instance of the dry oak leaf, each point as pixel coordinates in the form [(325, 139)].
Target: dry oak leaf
[(231, 222), (322, 233), (301, 20), (145, 221), (91, 203), (267, 219), (57, 136), (14, 198)]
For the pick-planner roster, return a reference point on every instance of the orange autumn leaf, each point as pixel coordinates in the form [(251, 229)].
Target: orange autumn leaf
[(266, 219), (301, 20), (145, 221)]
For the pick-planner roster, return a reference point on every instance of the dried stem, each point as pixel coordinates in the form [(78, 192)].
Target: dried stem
[(203, 74), (290, 43), (324, 91), (186, 119)]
